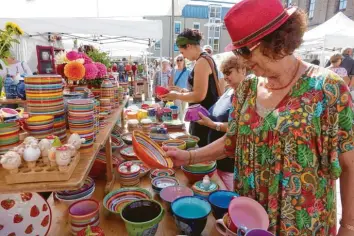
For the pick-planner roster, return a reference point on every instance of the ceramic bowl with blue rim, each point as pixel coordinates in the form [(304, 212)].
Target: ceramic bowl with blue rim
[(220, 201)]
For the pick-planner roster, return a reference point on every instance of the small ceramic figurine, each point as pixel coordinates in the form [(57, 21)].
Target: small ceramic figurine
[(51, 153), (62, 158), (44, 146), (71, 148), (31, 155), (29, 140), (19, 149), (206, 182), (11, 161), (76, 140)]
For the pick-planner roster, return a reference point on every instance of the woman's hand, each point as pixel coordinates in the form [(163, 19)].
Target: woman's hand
[(206, 121), (179, 157), (175, 88), (171, 96)]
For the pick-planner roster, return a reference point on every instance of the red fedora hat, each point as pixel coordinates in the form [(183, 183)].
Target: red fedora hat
[(250, 20)]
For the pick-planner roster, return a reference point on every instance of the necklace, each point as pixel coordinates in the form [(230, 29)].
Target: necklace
[(285, 86)]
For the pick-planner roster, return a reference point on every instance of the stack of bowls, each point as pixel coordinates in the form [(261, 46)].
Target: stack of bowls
[(116, 96), (105, 105), (107, 91), (117, 199), (9, 136), (162, 173), (129, 174), (196, 172), (84, 213), (9, 115), (40, 126), (45, 97), (160, 183), (85, 192), (82, 120), (103, 119), (97, 116)]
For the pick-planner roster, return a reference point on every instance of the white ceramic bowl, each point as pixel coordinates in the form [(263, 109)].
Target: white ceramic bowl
[(69, 202)]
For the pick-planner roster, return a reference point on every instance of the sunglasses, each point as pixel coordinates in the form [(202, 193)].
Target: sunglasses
[(179, 59), (246, 52)]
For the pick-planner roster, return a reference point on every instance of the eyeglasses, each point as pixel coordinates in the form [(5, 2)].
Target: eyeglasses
[(179, 59), (246, 52)]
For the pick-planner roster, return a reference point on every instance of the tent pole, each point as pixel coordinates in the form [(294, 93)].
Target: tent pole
[(173, 32)]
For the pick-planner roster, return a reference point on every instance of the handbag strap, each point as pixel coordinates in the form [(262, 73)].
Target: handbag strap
[(180, 75), (215, 74)]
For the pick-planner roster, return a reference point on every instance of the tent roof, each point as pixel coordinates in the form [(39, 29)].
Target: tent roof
[(336, 32), (90, 8), (133, 28)]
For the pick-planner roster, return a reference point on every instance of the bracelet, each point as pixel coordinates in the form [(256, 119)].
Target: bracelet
[(190, 158), (350, 227), (194, 156)]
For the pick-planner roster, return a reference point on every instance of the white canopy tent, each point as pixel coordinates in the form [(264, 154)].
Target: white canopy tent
[(336, 32), (90, 8)]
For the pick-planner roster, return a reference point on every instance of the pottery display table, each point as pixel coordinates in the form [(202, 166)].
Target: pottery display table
[(112, 224), (83, 167)]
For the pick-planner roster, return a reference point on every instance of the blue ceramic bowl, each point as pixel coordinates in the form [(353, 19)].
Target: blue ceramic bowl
[(191, 214), (220, 201)]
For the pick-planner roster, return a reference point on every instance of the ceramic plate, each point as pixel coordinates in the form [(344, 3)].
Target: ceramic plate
[(163, 182), (162, 173), (24, 214), (128, 152)]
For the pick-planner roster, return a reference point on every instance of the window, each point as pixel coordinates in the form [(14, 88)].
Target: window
[(217, 32), (215, 11), (177, 27), (342, 4), (216, 45), (196, 25), (312, 8), (157, 45), (289, 3), (175, 48)]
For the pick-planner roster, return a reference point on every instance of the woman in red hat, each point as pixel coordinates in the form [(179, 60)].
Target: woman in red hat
[(290, 129)]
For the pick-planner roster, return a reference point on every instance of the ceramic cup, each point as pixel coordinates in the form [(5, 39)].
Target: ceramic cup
[(142, 217), (220, 201), (191, 214), (253, 232), (174, 112), (225, 226), (83, 213)]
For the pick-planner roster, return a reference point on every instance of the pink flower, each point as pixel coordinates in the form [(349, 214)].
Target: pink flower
[(90, 71), (87, 59), (72, 55), (102, 70)]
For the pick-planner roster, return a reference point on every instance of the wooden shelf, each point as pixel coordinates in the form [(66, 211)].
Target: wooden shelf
[(111, 224), (82, 169)]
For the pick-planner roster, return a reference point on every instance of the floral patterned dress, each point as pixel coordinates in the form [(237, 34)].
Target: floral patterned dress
[(289, 160)]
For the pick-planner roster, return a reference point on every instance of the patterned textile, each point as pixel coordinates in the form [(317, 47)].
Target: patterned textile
[(289, 160)]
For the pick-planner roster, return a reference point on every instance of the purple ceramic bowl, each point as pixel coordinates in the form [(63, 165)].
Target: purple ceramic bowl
[(171, 193), (84, 209), (192, 113)]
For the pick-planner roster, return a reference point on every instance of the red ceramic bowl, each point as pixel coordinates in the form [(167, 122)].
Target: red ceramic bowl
[(159, 90), (197, 176)]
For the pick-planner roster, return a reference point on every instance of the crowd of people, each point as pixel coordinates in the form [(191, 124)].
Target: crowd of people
[(280, 129)]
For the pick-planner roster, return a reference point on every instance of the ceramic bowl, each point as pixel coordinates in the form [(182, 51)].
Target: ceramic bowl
[(225, 226), (144, 170), (68, 200), (247, 213), (202, 188), (159, 90), (171, 193), (192, 113), (220, 201), (127, 138), (116, 200), (191, 141), (162, 172), (128, 154), (83, 213), (94, 229), (197, 176), (142, 217), (149, 152), (117, 142), (191, 214), (160, 183), (78, 226), (180, 144), (201, 167), (88, 184)]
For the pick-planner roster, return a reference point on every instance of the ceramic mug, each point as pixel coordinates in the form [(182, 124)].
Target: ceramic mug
[(142, 217), (253, 232), (225, 226)]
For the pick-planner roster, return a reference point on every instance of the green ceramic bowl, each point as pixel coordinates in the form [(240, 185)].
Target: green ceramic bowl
[(191, 141), (201, 167)]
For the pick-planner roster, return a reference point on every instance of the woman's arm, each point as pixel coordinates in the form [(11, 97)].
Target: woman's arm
[(202, 71), (211, 152), (206, 121)]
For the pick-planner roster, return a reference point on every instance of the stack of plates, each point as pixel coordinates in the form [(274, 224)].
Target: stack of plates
[(82, 120), (9, 115), (103, 119), (107, 91), (45, 97), (9, 136), (105, 105), (116, 97), (40, 126), (121, 94), (97, 116)]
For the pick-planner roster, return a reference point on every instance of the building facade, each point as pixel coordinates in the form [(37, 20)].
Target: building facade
[(203, 15), (320, 11)]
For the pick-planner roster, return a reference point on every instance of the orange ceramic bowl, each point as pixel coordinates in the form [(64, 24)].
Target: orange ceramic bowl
[(150, 152)]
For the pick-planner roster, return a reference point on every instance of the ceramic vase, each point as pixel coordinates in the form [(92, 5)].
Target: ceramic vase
[(21, 92)]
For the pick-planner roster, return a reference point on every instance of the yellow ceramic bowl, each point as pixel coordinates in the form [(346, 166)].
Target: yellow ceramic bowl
[(40, 118), (180, 144)]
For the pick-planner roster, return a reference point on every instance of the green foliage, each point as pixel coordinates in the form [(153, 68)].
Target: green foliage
[(346, 119), (303, 219), (98, 56), (6, 41), (304, 156)]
